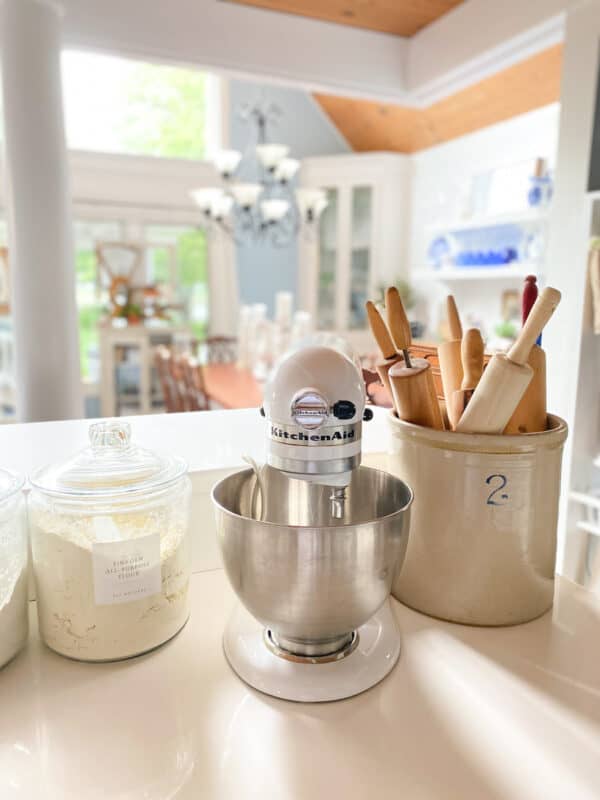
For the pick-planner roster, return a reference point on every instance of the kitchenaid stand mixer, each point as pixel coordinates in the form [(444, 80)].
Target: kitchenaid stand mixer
[(312, 541)]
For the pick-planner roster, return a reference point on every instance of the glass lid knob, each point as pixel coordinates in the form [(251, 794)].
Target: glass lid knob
[(113, 435)]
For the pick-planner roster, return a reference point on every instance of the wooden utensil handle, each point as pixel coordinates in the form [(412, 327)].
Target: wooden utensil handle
[(530, 294), (397, 319), (530, 415), (454, 323), (380, 331), (471, 353), (542, 310), (451, 372)]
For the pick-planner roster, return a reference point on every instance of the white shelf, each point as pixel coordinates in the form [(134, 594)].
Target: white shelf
[(477, 273), (525, 217)]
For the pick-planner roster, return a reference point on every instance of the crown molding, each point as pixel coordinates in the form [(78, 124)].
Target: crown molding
[(506, 54)]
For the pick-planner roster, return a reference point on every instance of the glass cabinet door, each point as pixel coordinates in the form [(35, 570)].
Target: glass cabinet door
[(360, 255), (328, 256)]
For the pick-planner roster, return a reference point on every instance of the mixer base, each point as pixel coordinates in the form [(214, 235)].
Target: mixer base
[(374, 656)]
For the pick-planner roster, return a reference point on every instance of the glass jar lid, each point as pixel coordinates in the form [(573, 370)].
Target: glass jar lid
[(9, 484), (110, 465)]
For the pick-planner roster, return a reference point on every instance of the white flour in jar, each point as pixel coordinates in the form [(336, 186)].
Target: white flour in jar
[(14, 626), (71, 621)]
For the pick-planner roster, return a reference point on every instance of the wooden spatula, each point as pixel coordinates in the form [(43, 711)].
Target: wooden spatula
[(472, 364), (454, 323), (398, 322), (449, 354), (385, 344)]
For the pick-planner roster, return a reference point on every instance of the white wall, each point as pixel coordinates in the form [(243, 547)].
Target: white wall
[(441, 173)]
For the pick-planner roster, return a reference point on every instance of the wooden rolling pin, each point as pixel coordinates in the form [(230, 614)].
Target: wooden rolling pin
[(385, 344), (414, 394), (472, 363), (449, 354), (507, 376), (531, 414), (412, 383)]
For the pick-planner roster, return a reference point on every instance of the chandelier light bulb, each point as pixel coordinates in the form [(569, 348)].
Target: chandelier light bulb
[(227, 161), (270, 155), (221, 206), (246, 194), (273, 210), (205, 198), (286, 169), (320, 206), (311, 203)]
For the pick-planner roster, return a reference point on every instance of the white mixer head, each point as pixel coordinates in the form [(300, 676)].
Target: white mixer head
[(314, 403)]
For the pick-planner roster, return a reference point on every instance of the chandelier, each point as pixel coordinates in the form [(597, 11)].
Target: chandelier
[(268, 209)]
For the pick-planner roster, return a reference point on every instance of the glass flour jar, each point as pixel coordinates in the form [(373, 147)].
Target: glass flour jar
[(111, 548), (14, 626)]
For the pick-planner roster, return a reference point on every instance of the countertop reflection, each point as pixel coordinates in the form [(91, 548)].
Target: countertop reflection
[(488, 714)]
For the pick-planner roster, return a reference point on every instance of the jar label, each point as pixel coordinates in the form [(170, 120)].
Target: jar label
[(126, 570)]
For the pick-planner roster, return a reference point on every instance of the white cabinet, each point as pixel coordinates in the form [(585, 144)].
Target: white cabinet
[(362, 241)]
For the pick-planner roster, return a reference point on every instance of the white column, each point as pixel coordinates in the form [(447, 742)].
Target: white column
[(223, 290), (38, 203)]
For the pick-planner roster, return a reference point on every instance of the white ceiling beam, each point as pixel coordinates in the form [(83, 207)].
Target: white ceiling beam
[(243, 41), (478, 39), (475, 40)]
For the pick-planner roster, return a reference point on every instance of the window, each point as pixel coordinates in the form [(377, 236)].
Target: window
[(177, 255), (116, 105)]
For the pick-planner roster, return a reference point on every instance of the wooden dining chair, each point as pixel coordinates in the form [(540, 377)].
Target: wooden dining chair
[(171, 380), (220, 349), (195, 389)]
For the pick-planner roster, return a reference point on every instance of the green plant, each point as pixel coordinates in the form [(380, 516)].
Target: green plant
[(406, 291), (506, 330)]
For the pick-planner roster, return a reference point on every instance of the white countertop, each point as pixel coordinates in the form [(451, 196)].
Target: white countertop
[(467, 714), (207, 440)]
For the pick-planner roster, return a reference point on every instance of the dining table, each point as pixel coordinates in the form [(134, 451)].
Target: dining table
[(232, 386)]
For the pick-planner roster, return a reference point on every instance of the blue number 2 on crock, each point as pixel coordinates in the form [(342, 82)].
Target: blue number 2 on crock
[(503, 481)]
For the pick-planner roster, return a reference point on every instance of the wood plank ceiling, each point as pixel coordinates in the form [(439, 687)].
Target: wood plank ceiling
[(399, 17), (371, 126)]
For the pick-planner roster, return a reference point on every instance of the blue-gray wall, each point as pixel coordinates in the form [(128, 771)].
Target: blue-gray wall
[(264, 269)]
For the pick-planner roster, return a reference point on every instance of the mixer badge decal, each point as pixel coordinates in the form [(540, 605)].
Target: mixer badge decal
[(292, 435)]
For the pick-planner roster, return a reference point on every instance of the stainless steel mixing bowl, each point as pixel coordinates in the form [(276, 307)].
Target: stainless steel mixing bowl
[(313, 581)]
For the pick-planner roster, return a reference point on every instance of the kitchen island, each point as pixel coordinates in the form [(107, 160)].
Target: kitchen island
[(467, 714)]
